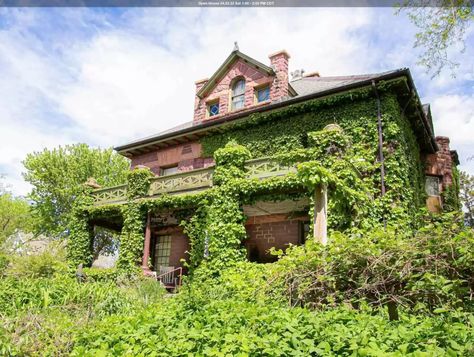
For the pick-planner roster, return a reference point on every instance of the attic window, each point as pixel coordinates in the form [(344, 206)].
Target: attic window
[(262, 94), (238, 94), (213, 109)]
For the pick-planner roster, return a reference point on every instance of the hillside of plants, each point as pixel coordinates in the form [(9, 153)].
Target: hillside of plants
[(371, 291), (371, 295)]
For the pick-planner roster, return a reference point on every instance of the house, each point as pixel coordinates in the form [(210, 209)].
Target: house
[(398, 165)]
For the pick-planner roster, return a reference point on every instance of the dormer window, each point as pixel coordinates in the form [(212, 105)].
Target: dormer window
[(238, 94), (213, 109), (262, 94)]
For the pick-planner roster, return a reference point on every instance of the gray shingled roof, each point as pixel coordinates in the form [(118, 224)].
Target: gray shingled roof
[(303, 86)]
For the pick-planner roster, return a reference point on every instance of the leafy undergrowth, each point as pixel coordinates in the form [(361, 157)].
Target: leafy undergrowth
[(42, 316), (237, 328), (377, 294)]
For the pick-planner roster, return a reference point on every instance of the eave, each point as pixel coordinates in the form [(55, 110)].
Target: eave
[(193, 133)]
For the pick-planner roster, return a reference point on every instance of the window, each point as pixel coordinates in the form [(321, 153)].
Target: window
[(169, 170), (432, 185), (238, 94), (213, 109), (263, 94), (162, 251)]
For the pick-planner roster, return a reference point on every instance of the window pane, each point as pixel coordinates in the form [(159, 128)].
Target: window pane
[(238, 102), (213, 109), (263, 94), (239, 88), (169, 170), (162, 251), (432, 186)]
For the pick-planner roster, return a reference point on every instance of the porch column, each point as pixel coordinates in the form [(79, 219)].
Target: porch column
[(320, 214), (146, 245)]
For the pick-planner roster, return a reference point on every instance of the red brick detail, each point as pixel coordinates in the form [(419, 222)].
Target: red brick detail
[(180, 244), (186, 156), (265, 232), (253, 78), (441, 163), (279, 88)]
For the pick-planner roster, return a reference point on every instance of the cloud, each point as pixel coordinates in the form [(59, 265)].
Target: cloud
[(106, 77)]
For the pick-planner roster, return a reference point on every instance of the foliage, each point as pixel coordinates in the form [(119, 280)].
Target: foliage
[(238, 328), (431, 269), (57, 175), (441, 27), (131, 238), (14, 216), (80, 240), (466, 195), (41, 316), (43, 265), (451, 194), (284, 132)]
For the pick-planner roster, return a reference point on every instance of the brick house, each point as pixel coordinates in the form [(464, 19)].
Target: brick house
[(225, 107)]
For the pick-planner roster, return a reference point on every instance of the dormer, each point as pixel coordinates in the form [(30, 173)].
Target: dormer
[(241, 83)]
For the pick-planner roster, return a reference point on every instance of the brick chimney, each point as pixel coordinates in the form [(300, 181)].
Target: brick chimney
[(279, 63), (199, 105)]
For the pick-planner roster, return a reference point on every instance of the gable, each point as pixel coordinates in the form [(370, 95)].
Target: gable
[(235, 56)]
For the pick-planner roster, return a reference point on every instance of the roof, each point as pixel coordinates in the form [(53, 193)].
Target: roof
[(233, 57), (306, 88)]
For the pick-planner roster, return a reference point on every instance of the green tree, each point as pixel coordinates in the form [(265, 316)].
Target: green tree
[(442, 24), (14, 215), (466, 194), (56, 176)]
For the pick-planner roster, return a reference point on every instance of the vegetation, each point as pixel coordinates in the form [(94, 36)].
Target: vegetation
[(57, 175), (466, 195), (442, 25)]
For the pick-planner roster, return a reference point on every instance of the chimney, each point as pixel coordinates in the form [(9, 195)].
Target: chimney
[(279, 63), (199, 105)]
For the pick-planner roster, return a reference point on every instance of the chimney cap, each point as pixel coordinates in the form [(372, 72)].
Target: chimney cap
[(312, 74), (281, 52), (201, 80)]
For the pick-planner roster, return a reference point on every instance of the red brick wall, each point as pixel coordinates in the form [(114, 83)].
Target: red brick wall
[(265, 232), (186, 156), (253, 78), (441, 163)]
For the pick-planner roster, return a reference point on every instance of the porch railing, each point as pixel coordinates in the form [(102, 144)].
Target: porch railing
[(171, 279), (193, 180)]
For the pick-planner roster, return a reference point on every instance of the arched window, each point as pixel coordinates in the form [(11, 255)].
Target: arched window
[(238, 94)]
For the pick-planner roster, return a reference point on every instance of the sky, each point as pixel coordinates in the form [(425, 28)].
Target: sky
[(107, 76)]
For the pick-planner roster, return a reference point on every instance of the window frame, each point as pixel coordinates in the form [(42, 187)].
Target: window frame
[(260, 88), (163, 170), (209, 105), (240, 95)]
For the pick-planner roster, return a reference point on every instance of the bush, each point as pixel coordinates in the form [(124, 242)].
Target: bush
[(42, 265), (102, 275)]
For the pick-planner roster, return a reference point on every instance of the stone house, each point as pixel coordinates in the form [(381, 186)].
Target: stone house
[(257, 105)]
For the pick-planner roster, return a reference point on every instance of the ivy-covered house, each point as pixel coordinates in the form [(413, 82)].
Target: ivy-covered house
[(267, 162)]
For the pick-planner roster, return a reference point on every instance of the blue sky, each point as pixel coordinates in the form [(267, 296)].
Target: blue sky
[(107, 76)]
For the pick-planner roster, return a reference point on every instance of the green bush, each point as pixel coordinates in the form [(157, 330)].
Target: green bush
[(41, 265), (103, 275)]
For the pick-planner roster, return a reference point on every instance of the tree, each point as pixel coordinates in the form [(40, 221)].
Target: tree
[(442, 24), (14, 214), (466, 188), (57, 175)]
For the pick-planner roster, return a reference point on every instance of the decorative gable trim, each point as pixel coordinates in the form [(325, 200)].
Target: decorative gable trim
[(222, 70)]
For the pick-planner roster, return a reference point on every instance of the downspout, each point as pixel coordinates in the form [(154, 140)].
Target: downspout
[(380, 135)]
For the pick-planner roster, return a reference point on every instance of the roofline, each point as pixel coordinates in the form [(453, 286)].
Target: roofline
[(211, 123), (223, 67)]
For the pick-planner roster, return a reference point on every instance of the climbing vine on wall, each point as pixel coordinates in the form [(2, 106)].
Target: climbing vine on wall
[(134, 213), (79, 245)]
